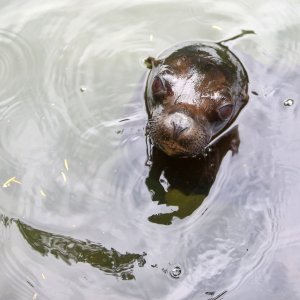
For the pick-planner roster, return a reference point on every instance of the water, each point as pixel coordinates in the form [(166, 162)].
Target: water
[(79, 216)]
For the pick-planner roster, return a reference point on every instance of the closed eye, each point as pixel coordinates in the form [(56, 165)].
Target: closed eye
[(158, 87), (225, 111)]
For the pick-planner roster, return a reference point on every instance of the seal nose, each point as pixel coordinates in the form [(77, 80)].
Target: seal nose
[(178, 123), (178, 129)]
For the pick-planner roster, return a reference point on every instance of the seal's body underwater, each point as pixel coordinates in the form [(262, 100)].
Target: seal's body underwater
[(194, 91)]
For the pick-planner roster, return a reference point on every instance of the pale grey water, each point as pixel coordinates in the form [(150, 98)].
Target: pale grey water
[(73, 176)]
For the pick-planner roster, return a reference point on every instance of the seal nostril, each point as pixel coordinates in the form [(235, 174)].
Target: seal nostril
[(178, 129), (178, 123)]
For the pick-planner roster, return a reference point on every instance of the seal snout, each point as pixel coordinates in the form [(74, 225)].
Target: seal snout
[(178, 134), (178, 123)]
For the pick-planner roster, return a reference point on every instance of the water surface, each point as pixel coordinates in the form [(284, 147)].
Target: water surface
[(79, 219)]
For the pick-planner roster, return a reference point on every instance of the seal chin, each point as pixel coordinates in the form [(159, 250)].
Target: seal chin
[(190, 144), (174, 149)]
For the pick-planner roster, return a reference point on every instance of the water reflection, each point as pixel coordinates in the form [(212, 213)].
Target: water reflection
[(71, 251)]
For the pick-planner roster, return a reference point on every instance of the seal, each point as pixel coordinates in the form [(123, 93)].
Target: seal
[(185, 183), (194, 91)]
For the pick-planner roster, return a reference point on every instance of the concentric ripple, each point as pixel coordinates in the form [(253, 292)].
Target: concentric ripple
[(87, 72), (17, 65)]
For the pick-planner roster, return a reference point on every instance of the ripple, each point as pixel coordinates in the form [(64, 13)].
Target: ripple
[(17, 65), (89, 70), (28, 132), (14, 270), (219, 22), (73, 109)]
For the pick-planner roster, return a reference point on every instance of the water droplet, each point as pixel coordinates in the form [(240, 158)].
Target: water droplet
[(176, 271), (288, 102), (82, 89)]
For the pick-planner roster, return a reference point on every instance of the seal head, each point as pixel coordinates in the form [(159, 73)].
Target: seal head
[(194, 91)]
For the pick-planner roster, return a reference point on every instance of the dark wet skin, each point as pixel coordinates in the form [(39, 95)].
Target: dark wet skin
[(188, 180), (194, 91)]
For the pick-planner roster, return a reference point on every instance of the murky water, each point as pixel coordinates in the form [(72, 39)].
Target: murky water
[(83, 216)]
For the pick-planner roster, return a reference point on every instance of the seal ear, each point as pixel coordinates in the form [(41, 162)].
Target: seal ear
[(151, 62)]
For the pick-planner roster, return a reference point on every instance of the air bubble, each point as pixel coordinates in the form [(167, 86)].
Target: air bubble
[(82, 89), (176, 272), (288, 102)]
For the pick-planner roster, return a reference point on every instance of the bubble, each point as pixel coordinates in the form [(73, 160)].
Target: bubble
[(176, 271), (82, 89), (288, 102)]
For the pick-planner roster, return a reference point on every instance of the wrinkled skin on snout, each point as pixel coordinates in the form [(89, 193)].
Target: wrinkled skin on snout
[(194, 91)]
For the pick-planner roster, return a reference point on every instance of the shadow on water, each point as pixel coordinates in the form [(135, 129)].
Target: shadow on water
[(71, 251), (185, 183)]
